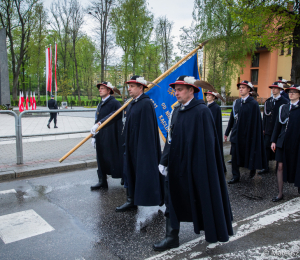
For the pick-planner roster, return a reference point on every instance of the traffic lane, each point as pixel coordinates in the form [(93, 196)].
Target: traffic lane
[(127, 235), (68, 240)]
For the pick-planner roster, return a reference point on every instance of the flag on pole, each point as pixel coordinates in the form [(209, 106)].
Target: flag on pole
[(23, 99), (164, 98), (34, 102), (30, 100), (55, 67), (27, 100), (21, 105), (50, 70), (47, 70)]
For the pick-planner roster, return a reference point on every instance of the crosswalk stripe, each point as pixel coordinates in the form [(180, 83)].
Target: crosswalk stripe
[(8, 191)]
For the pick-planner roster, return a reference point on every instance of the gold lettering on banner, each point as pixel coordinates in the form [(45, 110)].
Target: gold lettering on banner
[(155, 106), (163, 122), (163, 105), (168, 114)]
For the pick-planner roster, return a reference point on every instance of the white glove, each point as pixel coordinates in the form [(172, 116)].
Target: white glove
[(93, 142), (163, 170), (94, 129)]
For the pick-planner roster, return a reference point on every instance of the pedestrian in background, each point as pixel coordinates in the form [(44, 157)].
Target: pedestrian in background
[(52, 104), (271, 108), (286, 142), (247, 142)]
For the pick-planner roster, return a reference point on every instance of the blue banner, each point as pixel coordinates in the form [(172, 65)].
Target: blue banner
[(164, 98)]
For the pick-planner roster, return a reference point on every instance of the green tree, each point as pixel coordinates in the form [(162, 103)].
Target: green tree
[(19, 19), (132, 24), (271, 23), (228, 44)]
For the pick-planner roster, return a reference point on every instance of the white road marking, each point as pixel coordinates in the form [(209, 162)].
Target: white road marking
[(288, 250), (7, 191), (21, 225), (288, 211)]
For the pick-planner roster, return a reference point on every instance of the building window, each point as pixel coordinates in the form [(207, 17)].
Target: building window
[(289, 52), (282, 49), (255, 89), (255, 61), (254, 77)]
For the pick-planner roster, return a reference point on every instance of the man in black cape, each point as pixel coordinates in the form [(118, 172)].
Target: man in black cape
[(217, 115), (195, 187), (285, 140), (271, 108), (142, 179), (247, 141), (108, 140)]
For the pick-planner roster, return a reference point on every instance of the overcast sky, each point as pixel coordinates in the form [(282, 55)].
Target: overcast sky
[(177, 11)]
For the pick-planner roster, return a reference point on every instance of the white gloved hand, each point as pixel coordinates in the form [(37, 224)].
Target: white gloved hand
[(93, 142), (163, 170), (94, 129)]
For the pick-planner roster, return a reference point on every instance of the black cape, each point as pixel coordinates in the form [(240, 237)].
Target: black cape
[(247, 134), (291, 146), (197, 186), (269, 118), (217, 116), (109, 140), (143, 152)]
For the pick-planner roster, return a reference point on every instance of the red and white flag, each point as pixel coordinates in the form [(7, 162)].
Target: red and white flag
[(30, 100), (23, 99), (33, 102), (55, 66), (27, 100), (21, 106), (50, 69), (47, 69)]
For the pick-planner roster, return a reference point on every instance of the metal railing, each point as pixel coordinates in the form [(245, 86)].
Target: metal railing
[(18, 127)]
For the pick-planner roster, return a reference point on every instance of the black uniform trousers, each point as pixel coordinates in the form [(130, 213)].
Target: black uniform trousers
[(53, 116)]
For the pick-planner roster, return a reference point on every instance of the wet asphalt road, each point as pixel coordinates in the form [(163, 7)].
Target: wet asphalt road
[(86, 225)]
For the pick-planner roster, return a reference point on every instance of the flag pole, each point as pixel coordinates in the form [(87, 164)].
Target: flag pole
[(162, 76)]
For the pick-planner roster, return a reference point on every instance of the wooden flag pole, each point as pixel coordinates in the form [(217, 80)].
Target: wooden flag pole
[(166, 73)]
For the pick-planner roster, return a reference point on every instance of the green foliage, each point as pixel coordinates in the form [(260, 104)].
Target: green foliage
[(228, 44)]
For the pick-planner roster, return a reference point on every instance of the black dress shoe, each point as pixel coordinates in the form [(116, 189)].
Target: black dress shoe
[(230, 161), (48, 126), (99, 185), (263, 171), (233, 180), (275, 199), (122, 181), (55, 126), (128, 205)]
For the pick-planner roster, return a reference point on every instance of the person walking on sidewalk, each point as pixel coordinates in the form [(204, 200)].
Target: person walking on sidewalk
[(247, 141), (271, 108), (195, 186), (52, 104), (108, 140), (285, 142)]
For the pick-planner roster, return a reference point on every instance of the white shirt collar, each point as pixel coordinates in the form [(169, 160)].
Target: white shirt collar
[(103, 99), (187, 103), (294, 104), (277, 97), (208, 103), (138, 97), (245, 98)]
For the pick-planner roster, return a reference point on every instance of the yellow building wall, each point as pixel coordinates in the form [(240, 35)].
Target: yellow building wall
[(284, 66)]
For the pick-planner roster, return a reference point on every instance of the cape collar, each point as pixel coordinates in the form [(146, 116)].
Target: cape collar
[(192, 104), (107, 100), (211, 104), (249, 99), (140, 98)]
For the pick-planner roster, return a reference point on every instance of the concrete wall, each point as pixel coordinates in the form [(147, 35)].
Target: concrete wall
[(4, 77)]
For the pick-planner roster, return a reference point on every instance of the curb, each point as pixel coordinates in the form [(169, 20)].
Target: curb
[(44, 170)]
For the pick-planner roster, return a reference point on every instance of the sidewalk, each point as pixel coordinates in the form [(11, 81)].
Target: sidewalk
[(41, 153)]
